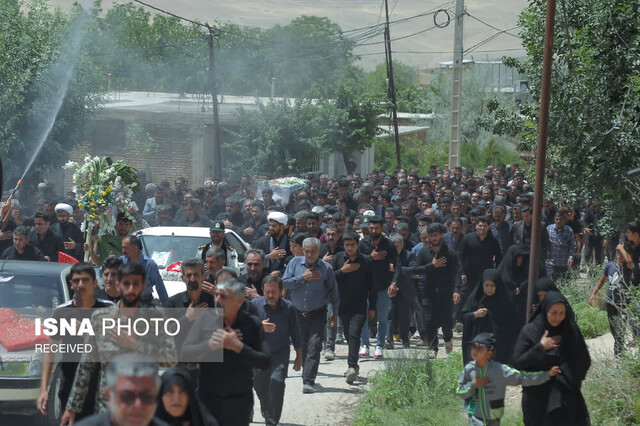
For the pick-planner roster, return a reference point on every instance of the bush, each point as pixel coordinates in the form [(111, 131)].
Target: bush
[(413, 391), (592, 321)]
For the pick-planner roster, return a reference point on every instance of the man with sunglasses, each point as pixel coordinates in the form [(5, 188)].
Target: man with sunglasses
[(132, 390)]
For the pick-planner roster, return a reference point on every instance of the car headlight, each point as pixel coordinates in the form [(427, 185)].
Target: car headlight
[(35, 367)]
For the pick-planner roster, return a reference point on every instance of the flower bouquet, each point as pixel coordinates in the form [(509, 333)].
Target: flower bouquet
[(103, 188), (282, 188)]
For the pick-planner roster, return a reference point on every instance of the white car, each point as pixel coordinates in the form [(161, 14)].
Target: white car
[(167, 245)]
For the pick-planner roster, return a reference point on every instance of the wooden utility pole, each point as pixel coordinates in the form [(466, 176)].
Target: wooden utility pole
[(217, 154), (456, 120), (391, 87), (543, 125)]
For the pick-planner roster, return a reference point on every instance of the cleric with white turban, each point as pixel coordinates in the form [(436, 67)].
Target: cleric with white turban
[(275, 244)]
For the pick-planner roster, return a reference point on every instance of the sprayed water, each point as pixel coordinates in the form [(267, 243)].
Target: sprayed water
[(61, 74)]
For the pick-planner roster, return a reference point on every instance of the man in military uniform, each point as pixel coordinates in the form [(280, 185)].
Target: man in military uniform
[(216, 232)]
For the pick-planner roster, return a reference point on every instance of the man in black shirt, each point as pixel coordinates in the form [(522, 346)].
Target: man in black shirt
[(478, 251), (280, 321), (354, 277), (226, 388), (439, 269), (83, 283), (383, 254), (193, 298), (254, 273), (45, 240), (21, 248)]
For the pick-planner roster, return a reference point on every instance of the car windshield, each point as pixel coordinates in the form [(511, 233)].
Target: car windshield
[(30, 291), (168, 249)]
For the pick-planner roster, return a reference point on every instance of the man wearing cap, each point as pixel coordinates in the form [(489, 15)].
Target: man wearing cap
[(69, 233), (218, 239), (276, 243)]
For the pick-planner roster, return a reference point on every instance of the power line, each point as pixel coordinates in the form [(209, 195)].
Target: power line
[(491, 26), (146, 49), (182, 18)]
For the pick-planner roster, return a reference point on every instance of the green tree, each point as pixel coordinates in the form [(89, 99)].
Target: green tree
[(406, 81), (32, 40), (351, 122), (281, 139), (310, 49), (595, 97)]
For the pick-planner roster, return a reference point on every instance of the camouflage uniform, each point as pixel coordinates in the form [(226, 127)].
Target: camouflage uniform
[(160, 348)]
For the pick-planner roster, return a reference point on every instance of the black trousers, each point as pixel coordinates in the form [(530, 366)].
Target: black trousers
[(312, 327), (352, 324), (401, 316), (269, 385), (229, 410), (437, 309)]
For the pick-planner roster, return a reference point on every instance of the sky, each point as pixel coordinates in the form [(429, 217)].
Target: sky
[(423, 50)]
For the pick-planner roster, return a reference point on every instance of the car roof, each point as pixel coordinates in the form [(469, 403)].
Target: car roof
[(181, 231), (28, 267)]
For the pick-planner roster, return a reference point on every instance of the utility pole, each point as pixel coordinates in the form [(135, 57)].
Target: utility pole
[(543, 125), (217, 155), (391, 88), (456, 121)]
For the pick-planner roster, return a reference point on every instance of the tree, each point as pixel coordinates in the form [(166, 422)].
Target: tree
[(406, 81), (351, 122), (32, 39), (595, 99), (280, 139), (310, 49)]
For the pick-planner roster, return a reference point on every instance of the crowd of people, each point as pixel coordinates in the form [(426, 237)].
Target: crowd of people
[(392, 258)]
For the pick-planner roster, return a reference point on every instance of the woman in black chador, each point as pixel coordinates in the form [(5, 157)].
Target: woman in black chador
[(488, 309), (178, 403), (553, 338)]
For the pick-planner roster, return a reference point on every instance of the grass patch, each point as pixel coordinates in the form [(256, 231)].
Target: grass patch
[(611, 391), (592, 320), (412, 391)]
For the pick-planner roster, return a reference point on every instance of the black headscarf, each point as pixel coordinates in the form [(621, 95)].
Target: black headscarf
[(561, 398), (196, 413), (546, 285), (498, 319)]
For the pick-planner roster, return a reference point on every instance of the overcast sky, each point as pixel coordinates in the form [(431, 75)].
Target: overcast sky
[(351, 14)]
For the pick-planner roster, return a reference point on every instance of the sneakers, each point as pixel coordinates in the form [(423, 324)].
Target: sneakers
[(422, 342), (329, 355), (378, 353), (340, 339), (357, 368), (307, 388), (364, 351), (448, 346), (351, 375), (458, 327), (432, 354), (388, 344), (396, 337)]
